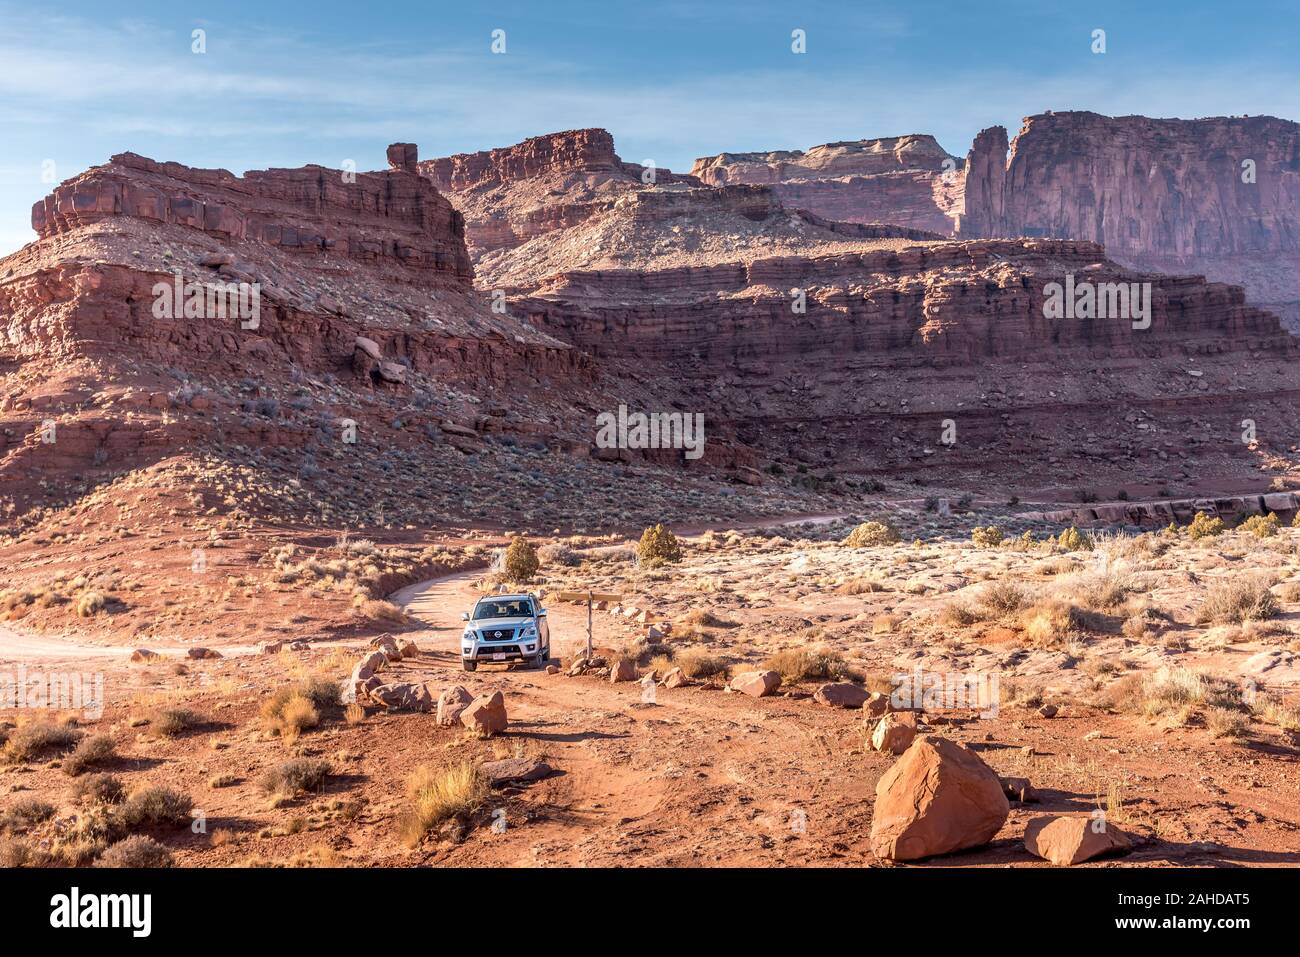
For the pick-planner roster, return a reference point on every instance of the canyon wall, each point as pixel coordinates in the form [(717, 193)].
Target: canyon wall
[(1218, 196)]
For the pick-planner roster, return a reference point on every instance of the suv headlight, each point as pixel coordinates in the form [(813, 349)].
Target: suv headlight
[(530, 631)]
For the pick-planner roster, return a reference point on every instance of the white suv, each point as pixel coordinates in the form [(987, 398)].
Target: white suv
[(505, 628)]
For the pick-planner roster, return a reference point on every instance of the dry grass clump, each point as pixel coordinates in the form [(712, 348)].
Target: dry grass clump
[(169, 722), (98, 788), (698, 664), (354, 713), (37, 738), (1227, 723), (138, 850), (96, 749), (90, 603), (1173, 692), (438, 795), (869, 534), (959, 614), (26, 813), (1051, 623), (290, 715), (703, 618), (1002, 598), (290, 779), (1099, 591), (156, 805), (377, 610), (559, 554), (1272, 710), (1237, 600), (859, 586), (810, 664)]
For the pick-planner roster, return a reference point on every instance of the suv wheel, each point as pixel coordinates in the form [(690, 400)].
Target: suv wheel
[(469, 665), (540, 661)]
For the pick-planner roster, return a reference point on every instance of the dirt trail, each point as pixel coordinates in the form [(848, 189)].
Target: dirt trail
[(698, 775)]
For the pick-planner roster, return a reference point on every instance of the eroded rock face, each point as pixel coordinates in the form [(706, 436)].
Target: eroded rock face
[(1161, 194), (905, 180), (939, 797)]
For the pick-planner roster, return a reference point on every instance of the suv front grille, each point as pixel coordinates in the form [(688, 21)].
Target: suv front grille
[(498, 634), (499, 649)]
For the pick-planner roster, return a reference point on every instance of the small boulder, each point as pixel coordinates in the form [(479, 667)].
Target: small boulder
[(144, 654), (894, 733), (1073, 840), (877, 705), (756, 684), (515, 771), (201, 653), (409, 649), (552, 669), (622, 670), (451, 703), (939, 797), (1019, 789), (369, 347), (390, 696), (674, 678), (486, 714), (1048, 711), (272, 647), (842, 694)]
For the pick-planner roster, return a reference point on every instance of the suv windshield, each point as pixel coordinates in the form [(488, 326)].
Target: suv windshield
[(511, 608)]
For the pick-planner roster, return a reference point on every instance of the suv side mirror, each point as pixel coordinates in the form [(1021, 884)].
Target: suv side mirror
[(464, 616), (541, 612)]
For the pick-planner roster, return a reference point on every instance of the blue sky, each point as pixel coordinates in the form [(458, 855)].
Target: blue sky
[(288, 83)]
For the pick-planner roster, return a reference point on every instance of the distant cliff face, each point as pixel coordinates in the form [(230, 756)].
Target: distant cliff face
[(1219, 196), (907, 181)]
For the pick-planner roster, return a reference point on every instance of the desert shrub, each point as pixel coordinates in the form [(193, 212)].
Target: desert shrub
[(989, 536), (1227, 723), (869, 534), (658, 546), (14, 852), (377, 610), (297, 716), (90, 603), (1233, 601), (1099, 591), (1049, 624), (1002, 598), (169, 722), (697, 664), (959, 614), (96, 749), (138, 850), (295, 707), (520, 563), (1271, 709), (703, 618), (1261, 526), (1169, 690), (560, 554), (26, 813), (1203, 526), (37, 738), (354, 713), (1073, 540), (99, 788), (156, 805), (438, 795), (809, 664), (292, 778)]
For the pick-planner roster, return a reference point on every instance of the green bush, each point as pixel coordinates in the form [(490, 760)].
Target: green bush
[(521, 560), (872, 533), (658, 546)]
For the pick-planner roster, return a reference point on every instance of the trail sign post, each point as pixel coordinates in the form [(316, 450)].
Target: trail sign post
[(590, 597)]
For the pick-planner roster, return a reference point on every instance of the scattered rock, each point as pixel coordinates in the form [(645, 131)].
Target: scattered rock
[(877, 705), (1073, 840), (1048, 711), (622, 670), (515, 770), (756, 684), (1019, 789), (144, 654), (552, 669), (451, 703), (486, 714), (201, 653), (409, 649), (894, 733), (937, 798), (674, 678), (842, 694)]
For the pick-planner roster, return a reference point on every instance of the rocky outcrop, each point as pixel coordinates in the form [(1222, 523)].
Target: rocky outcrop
[(589, 150), (1218, 196), (906, 181)]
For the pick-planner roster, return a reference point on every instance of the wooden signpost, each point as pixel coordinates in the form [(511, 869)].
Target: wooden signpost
[(590, 597)]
